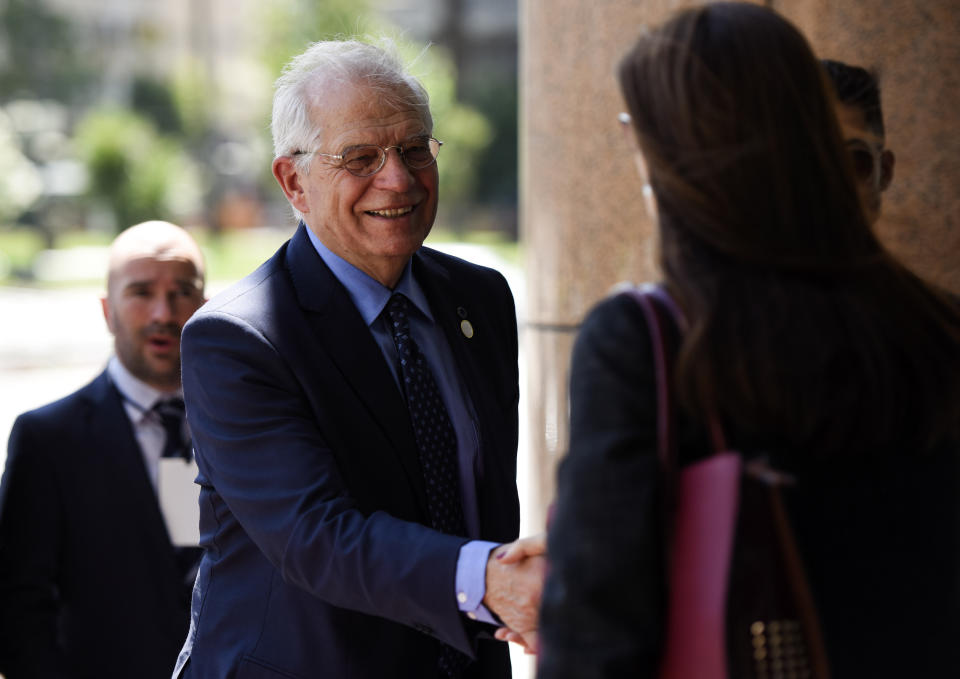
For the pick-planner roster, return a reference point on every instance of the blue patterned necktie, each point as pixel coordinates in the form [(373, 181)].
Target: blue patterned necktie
[(437, 443)]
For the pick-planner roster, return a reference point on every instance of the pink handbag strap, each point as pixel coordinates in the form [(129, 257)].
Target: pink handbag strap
[(647, 296), (660, 347), (702, 501)]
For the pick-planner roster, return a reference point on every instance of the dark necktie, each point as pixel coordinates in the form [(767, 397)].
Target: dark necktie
[(437, 443), (171, 412)]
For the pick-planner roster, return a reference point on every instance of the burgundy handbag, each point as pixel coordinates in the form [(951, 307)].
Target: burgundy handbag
[(738, 603)]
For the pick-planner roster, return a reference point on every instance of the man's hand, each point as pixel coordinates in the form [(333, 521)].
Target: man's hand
[(515, 574), (535, 545)]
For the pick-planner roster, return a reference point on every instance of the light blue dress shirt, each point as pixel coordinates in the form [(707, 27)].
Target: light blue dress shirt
[(370, 298)]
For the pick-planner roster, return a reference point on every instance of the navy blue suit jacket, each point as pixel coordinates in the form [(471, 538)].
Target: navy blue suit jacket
[(89, 585), (318, 562)]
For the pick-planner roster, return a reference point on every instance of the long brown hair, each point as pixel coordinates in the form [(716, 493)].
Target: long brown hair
[(802, 327)]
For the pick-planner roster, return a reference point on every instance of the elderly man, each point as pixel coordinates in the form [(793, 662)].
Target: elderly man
[(354, 410), (861, 122), (92, 583)]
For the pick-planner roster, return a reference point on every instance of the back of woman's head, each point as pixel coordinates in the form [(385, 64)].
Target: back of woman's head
[(731, 111), (802, 327)]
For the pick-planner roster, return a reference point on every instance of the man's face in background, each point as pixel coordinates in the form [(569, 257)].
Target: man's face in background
[(872, 163)]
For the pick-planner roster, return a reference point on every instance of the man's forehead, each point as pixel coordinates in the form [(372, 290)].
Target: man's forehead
[(346, 110), (158, 261), (150, 268), (853, 124), (160, 241)]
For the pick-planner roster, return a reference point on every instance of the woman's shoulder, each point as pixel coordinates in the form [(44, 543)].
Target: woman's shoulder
[(615, 321)]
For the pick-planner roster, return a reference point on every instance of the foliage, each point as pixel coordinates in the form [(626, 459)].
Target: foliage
[(464, 131), (290, 25), (164, 158), (154, 99), (21, 182), (497, 166), (39, 58), (135, 171), (18, 247)]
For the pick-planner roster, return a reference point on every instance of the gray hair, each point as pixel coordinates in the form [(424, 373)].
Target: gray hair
[(309, 75)]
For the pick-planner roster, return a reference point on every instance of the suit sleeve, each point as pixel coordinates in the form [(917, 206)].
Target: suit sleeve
[(259, 445), (603, 599), (30, 530)]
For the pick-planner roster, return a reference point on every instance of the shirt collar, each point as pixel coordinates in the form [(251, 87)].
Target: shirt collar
[(369, 295), (134, 390)]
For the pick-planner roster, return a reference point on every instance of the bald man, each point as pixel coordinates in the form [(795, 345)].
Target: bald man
[(91, 583)]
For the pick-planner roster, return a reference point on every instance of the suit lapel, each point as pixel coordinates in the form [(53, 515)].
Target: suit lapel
[(340, 330), (445, 303), (475, 358), (125, 473)]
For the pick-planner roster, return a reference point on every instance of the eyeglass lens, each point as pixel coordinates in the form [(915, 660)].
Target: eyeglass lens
[(366, 160)]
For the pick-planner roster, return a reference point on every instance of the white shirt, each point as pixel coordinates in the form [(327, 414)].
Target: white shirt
[(138, 400)]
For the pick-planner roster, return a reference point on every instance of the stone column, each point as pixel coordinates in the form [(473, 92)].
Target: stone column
[(582, 217), (581, 214)]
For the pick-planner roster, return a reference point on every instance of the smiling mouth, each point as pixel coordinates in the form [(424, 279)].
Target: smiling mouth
[(392, 213)]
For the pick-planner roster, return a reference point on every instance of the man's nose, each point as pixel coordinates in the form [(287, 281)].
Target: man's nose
[(394, 175), (162, 308)]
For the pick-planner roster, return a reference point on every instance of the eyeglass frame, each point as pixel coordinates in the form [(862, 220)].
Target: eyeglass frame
[(875, 151), (383, 154)]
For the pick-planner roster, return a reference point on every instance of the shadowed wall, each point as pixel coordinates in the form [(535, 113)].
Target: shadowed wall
[(581, 213)]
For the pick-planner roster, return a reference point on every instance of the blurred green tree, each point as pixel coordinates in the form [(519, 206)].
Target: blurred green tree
[(133, 171), (39, 55)]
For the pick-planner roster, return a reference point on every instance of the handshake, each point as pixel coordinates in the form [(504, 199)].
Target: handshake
[(514, 581)]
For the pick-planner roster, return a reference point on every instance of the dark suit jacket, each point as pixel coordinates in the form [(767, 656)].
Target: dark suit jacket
[(312, 508), (879, 533), (89, 586)]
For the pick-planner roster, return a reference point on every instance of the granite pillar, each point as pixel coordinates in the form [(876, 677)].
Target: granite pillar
[(582, 218)]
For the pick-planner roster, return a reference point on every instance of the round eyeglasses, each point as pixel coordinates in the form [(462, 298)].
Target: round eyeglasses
[(368, 159), (866, 160)]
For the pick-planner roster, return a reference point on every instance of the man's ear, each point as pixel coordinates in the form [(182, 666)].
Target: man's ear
[(288, 176), (105, 306), (887, 162)]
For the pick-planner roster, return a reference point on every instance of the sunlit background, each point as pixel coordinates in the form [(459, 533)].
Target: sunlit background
[(117, 111), (114, 112)]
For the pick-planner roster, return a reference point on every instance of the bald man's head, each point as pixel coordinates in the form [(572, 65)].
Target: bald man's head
[(157, 240), (154, 284)]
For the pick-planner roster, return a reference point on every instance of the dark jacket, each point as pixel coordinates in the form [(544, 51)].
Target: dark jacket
[(318, 561), (879, 539), (89, 584)]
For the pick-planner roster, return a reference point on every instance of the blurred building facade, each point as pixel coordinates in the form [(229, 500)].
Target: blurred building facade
[(200, 74)]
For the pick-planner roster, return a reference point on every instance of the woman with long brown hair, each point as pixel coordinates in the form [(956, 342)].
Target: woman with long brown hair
[(803, 336)]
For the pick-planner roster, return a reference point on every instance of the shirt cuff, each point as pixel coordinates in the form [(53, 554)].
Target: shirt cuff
[(471, 580)]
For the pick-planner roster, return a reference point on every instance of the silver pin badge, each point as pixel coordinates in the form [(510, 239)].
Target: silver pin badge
[(466, 327)]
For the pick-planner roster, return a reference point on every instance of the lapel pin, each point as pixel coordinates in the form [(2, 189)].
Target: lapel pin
[(466, 327)]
